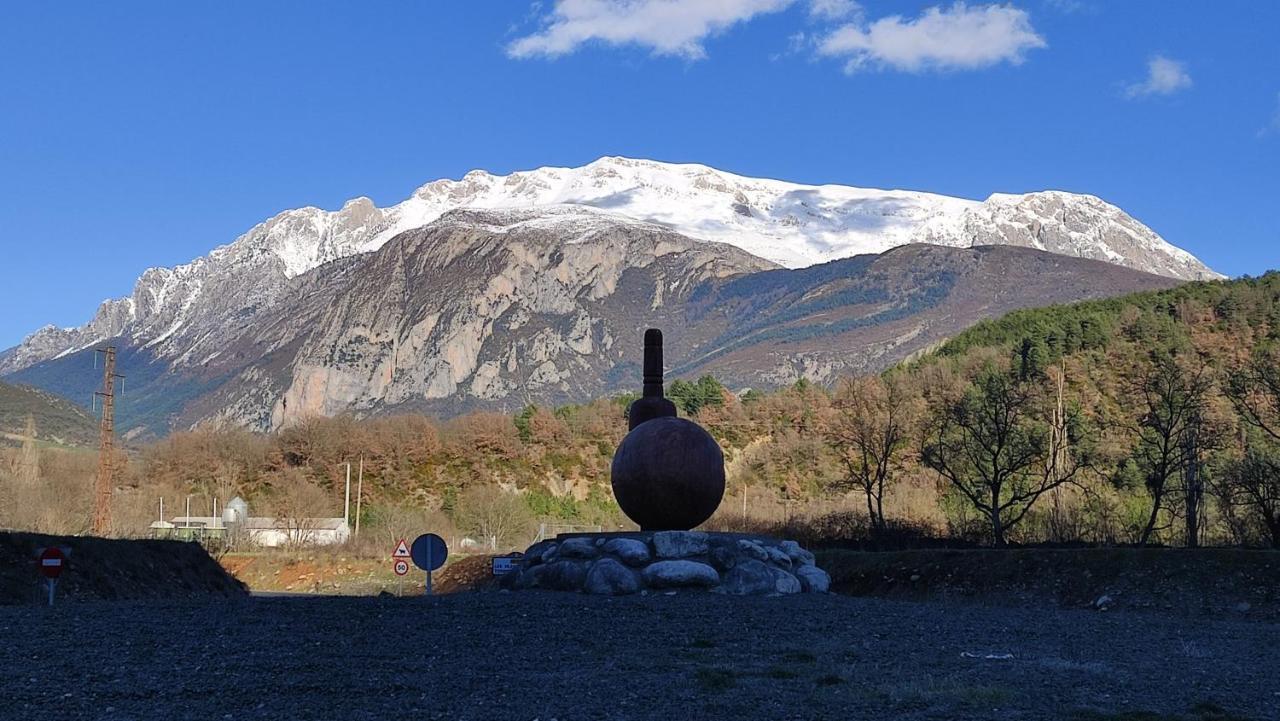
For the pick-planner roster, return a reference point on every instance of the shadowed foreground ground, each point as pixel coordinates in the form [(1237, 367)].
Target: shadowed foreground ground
[(548, 655)]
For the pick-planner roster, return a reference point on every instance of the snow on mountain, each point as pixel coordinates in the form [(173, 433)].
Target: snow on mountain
[(184, 312), (790, 224)]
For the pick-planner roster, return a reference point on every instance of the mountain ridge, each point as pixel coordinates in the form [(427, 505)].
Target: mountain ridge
[(500, 308), (792, 224)]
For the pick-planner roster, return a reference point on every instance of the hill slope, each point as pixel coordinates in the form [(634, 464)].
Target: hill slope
[(498, 309), (57, 420)]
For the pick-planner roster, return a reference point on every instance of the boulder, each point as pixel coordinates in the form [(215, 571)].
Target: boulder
[(813, 579), (749, 578), (723, 556), (784, 582), (778, 558), (581, 547), (633, 552), (679, 574), (798, 556), (753, 549), (559, 576), (679, 544), (533, 554), (609, 577)]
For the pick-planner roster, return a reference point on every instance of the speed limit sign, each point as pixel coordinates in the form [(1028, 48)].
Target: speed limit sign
[(402, 567)]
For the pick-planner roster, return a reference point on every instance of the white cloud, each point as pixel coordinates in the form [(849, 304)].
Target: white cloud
[(833, 9), (956, 38), (667, 27), (1165, 76)]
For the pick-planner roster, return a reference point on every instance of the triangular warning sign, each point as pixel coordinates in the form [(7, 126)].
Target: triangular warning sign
[(402, 550)]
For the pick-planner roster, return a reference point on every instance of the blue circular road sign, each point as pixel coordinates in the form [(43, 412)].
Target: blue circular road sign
[(428, 552)]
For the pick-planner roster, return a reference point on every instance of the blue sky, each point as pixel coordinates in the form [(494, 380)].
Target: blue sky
[(140, 134)]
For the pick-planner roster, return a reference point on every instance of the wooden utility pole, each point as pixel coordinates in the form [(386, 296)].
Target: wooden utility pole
[(106, 461), (359, 494)]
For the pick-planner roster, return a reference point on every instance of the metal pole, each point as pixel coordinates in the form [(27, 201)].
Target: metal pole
[(103, 482), (359, 494), (346, 506), (51, 582), (429, 564)]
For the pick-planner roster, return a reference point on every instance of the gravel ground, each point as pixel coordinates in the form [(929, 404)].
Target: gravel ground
[(541, 655)]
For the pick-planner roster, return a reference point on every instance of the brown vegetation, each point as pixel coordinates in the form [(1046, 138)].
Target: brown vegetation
[(1147, 419)]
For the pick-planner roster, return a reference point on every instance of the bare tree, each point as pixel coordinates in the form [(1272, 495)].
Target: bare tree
[(1253, 483), (989, 445), (1254, 389), (870, 432), (500, 518), (1172, 403), (390, 522), (298, 504)]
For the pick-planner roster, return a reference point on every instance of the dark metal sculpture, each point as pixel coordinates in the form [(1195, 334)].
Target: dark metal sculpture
[(652, 404), (668, 473)]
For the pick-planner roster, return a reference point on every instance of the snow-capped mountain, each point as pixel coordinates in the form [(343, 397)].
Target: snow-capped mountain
[(501, 308), (790, 224), (186, 313)]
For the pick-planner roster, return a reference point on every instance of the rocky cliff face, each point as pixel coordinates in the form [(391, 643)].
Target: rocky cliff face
[(500, 308), (480, 306), (189, 314)]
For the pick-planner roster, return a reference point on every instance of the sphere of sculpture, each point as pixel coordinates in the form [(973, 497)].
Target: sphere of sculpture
[(668, 475)]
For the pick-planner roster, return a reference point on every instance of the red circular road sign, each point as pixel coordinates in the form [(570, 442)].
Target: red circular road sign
[(51, 562), (402, 567)]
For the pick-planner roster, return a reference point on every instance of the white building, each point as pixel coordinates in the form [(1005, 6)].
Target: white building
[(236, 524), (272, 532)]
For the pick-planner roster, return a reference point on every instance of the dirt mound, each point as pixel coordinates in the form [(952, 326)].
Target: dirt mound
[(473, 573), (107, 569), (1201, 582)]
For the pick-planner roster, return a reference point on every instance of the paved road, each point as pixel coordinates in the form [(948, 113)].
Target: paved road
[(547, 655)]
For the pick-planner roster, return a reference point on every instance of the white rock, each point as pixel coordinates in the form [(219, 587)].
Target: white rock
[(679, 544), (671, 574), (633, 552), (753, 549), (778, 558), (799, 556), (608, 577), (750, 577), (784, 582), (813, 579), (581, 547)]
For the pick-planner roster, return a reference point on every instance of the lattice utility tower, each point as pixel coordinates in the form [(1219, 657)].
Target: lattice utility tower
[(102, 488)]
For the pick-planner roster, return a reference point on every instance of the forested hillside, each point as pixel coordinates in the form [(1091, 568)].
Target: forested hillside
[(1150, 418), (59, 421)]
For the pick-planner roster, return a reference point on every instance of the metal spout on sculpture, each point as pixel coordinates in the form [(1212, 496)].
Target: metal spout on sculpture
[(668, 473), (652, 403)]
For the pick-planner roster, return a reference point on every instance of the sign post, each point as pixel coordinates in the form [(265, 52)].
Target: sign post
[(502, 565), (400, 563), (52, 560), (429, 553)]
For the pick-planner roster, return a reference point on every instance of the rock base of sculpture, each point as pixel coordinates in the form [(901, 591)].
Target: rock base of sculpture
[(616, 564)]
